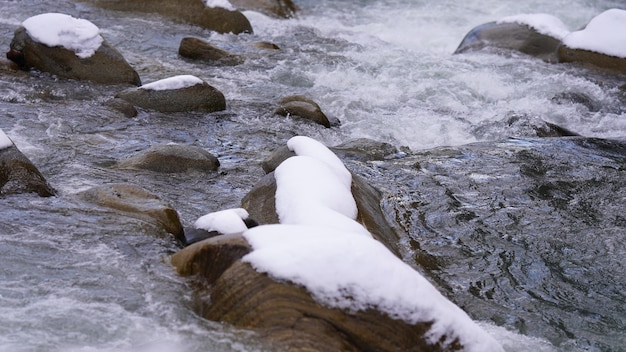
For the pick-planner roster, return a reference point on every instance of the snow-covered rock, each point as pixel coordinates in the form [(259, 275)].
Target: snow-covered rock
[(320, 268), (69, 48), (602, 43), (174, 94)]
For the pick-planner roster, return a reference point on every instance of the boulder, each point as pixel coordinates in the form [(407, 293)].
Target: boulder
[(195, 12), (18, 174), (274, 8), (364, 149), (176, 94), (106, 65), (198, 49), (510, 36), (260, 202), (136, 202), (284, 313), (298, 105), (172, 158), (600, 44), (592, 59)]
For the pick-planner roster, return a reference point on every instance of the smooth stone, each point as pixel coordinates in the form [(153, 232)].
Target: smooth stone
[(198, 49), (172, 158), (19, 175), (274, 8), (510, 36), (592, 59), (136, 202), (200, 97), (298, 105)]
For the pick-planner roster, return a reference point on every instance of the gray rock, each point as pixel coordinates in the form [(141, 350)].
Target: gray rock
[(198, 49), (105, 66), (19, 175), (510, 36), (201, 97), (172, 158)]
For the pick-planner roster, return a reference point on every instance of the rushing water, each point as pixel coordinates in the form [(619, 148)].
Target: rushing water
[(75, 277)]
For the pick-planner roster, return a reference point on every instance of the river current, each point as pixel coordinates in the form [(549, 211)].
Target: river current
[(73, 277)]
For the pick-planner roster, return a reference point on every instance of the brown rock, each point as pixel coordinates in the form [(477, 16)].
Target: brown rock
[(172, 158), (275, 8), (191, 11), (19, 175), (138, 203), (105, 66), (298, 105), (198, 49), (592, 59), (200, 97)]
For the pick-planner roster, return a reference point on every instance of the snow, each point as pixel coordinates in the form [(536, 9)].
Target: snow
[(541, 22), (219, 3), (57, 29), (319, 245), (605, 34), (175, 82), (226, 222), (5, 141)]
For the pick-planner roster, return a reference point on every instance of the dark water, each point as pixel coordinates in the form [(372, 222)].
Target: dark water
[(526, 234)]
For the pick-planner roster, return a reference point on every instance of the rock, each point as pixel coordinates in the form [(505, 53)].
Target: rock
[(600, 44), (364, 149), (274, 8), (261, 205), (105, 66), (286, 314), (517, 125), (198, 49), (510, 36), (195, 12), (164, 96), (136, 202), (19, 175), (122, 106), (172, 158), (297, 105), (592, 59), (577, 98), (266, 45)]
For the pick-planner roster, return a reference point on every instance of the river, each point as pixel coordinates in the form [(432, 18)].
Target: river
[(542, 269)]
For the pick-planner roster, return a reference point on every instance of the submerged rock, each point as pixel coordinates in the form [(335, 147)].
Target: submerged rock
[(198, 49), (511, 36), (176, 94), (298, 105), (17, 172), (136, 202), (172, 158), (520, 125), (105, 65), (195, 12)]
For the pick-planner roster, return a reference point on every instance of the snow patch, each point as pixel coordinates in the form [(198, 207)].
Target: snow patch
[(541, 22), (226, 222), (57, 29), (320, 246), (220, 3), (605, 34), (175, 82), (5, 141)]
